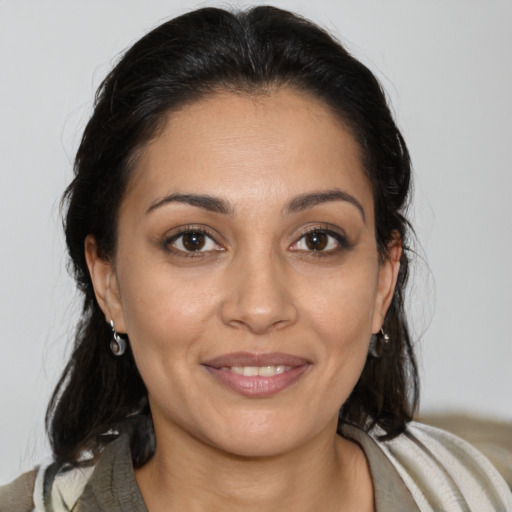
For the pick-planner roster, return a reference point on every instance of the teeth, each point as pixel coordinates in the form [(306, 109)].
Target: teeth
[(255, 371), (251, 371), (267, 371)]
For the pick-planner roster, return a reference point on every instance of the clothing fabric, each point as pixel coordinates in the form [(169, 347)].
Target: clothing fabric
[(424, 469), (442, 472), (18, 495)]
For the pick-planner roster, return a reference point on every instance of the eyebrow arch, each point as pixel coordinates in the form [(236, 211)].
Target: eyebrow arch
[(210, 203), (306, 201)]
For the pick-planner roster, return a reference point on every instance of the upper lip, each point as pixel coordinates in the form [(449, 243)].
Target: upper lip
[(252, 359)]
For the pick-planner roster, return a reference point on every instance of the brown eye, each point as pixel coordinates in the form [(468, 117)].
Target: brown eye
[(193, 241), (316, 241), (321, 241)]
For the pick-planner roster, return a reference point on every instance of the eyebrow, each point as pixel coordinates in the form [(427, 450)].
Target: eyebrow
[(210, 203), (297, 204), (306, 201)]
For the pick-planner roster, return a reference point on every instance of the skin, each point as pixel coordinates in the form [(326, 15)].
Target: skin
[(256, 286)]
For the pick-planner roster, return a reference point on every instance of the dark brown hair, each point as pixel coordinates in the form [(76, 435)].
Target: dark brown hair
[(180, 61)]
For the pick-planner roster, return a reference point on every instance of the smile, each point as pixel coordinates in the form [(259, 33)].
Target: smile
[(255, 371), (257, 375)]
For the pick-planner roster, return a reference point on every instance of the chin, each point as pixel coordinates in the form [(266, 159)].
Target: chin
[(252, 447), (252, 439)]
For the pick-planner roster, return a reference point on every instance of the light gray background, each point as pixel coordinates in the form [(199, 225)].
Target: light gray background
[(447, 68)]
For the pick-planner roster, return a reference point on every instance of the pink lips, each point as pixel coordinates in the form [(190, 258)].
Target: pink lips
[(257, 386)]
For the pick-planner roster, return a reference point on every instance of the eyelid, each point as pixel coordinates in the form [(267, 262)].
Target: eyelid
[(328, 229), (176, 233)]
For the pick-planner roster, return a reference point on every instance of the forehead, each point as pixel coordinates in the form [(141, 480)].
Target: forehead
[(254, 148)]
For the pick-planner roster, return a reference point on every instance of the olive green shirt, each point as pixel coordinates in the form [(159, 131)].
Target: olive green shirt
[(112, 486)]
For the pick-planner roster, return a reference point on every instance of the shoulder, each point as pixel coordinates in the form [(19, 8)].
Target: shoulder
[(441, 469), (57, 486), (105, 483), (17, 495)]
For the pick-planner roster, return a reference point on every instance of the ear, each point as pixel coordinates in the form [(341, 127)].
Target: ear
[(388, 275), (104, 281)]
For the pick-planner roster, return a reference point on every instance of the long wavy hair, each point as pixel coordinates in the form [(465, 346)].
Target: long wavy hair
[(181, 61)]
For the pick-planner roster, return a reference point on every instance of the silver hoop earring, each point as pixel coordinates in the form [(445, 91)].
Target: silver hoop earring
[(117, 343), (377, 342)]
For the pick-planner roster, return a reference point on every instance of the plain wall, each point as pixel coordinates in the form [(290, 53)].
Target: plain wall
[(447, 68)]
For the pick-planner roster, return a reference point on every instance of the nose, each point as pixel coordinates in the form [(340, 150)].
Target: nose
[(259, 295)]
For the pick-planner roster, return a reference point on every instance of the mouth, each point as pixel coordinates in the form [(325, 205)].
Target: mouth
[(257, 371), (257, 375)]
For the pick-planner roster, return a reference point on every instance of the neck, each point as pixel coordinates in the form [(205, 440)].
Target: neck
[(327, 473)]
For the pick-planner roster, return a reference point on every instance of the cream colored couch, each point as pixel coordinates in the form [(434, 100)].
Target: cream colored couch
[(493, 438)]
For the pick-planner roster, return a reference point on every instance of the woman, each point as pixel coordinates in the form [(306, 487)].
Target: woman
[(237, 227)]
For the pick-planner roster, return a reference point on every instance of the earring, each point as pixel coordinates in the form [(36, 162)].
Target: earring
[(117, 344), (377, 341)]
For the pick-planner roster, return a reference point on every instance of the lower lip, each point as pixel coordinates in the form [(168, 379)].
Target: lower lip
[(258, 387)]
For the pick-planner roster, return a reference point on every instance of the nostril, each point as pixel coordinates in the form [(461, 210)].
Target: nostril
[(258, 295), (242, 314)]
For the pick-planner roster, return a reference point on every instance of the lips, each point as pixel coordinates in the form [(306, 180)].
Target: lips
[(257, 375)]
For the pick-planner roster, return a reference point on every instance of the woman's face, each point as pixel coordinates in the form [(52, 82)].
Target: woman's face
[(246, 273)]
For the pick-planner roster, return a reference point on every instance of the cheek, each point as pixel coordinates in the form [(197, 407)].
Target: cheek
[(343, 304), (164, 310), (341, 316), (166, 316)]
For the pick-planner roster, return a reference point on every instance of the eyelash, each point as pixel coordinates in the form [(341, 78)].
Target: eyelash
[(340, 238), (167, 243)]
